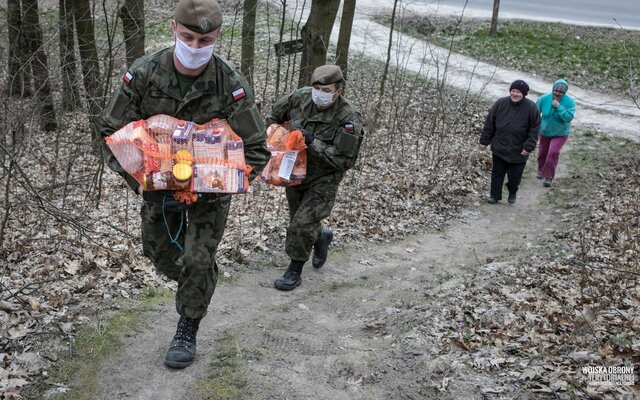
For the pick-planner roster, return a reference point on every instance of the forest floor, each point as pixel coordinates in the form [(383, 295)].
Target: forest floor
[(370, 324), (365, 326)]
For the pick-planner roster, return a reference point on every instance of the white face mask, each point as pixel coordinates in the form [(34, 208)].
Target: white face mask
[(192, 58), (322, 99)]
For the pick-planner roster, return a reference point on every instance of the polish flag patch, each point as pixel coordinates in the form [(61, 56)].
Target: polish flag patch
[(348, 127), (238, 94), (127, 78)]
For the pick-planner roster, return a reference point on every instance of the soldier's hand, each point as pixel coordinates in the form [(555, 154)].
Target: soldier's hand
[(165, 198), (524, 152), (139, 190), (308, 137)]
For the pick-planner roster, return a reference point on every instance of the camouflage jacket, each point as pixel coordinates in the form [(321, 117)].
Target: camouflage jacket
[(150, 87), (337, 133)]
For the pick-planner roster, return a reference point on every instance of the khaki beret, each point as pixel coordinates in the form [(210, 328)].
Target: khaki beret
[(202, 16), (326, 75)]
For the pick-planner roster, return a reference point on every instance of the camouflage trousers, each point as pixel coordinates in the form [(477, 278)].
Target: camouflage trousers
[(307, 208), (190, 258)]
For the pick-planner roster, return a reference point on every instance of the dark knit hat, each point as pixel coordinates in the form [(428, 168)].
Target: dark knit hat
[(521, 86), (326, 75), (202, 16)]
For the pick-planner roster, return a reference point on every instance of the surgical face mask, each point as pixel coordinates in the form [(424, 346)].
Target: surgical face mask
[(192, 58), (322, 99)]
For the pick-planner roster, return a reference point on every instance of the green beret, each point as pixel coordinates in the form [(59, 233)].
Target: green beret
[(326, 75), (201, 16)]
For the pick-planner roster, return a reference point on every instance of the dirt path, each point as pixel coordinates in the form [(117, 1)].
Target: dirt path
[(329, 339), (614, 115)]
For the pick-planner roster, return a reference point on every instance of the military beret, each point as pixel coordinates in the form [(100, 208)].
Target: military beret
[(202, 16), (326, 75)]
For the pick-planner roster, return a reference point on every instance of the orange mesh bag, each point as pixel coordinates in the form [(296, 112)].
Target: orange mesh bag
[(219, 160), (288, 163), (165, 153)]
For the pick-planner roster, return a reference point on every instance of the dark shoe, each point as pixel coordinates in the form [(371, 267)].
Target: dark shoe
[(291, 279), (512, 198), (321, 248), (491, 200), (547, 182), (182, 350)]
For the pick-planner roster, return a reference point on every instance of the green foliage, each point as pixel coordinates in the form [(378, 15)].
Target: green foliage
[(587, 155), (227, 381), (91, 348), (557, 51), (595, 57), (94, 344), (341, 285)]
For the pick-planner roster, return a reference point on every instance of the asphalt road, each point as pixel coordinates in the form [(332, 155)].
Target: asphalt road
[(598, 112), (625, 13)]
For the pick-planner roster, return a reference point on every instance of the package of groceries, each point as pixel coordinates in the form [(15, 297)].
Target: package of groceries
[(288, 163), (165, 153)]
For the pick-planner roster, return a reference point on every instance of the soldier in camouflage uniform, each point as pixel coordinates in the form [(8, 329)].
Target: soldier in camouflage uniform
[(333, 133), (190, 82)]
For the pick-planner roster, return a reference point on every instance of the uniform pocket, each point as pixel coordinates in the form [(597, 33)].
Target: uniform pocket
[(247, 122), (348, 143)]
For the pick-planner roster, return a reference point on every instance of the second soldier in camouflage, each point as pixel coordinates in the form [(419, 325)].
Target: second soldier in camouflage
[(333, 132)]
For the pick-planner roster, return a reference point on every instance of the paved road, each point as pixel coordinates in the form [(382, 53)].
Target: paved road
[(589, 12), (595, 111)]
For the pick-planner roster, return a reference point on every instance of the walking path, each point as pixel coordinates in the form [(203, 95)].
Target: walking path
[(608, 114), (335, 337)]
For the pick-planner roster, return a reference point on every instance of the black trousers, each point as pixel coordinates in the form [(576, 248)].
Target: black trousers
[(499, 170)]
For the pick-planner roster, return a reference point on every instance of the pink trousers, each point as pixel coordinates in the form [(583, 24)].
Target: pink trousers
[(549, 154)]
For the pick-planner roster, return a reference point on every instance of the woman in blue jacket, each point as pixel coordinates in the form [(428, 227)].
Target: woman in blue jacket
[(556, 109)]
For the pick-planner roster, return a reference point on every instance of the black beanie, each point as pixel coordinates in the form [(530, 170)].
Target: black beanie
[(521, 86)]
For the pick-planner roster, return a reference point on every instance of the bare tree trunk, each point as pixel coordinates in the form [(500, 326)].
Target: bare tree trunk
[(39, 66), (88, 58), (494, 18), (232, 28), (315, 36), (132, 15), (283, 19), (19, 83), (383, 79), (70, 93), (344, 38), (248, 39)]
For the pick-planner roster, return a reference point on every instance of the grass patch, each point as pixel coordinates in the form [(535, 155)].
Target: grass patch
[(587, 156), (94, 345), (595, 57), (227, 382), (342, 285), (281, 309)]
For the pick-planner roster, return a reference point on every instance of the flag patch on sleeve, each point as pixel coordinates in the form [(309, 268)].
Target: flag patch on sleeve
[(238, 94), (348, 127), (127, 78)]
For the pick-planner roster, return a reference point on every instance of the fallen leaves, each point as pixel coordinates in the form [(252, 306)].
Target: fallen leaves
[(534, 323)]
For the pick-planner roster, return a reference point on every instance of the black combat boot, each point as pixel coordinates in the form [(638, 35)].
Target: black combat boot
[(321, 248), (291, 279), (182, 350)]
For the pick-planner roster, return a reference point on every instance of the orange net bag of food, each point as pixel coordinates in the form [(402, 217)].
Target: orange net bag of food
[(288, 163), (165, 153)]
